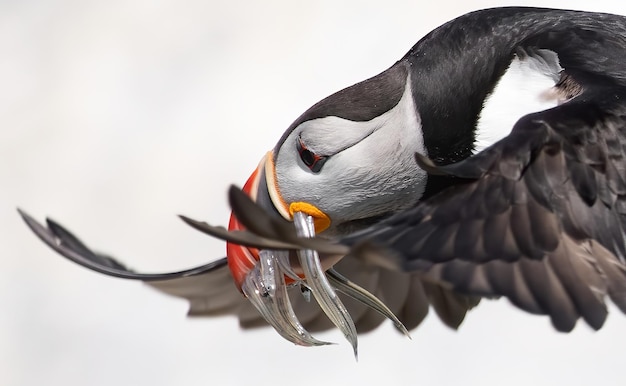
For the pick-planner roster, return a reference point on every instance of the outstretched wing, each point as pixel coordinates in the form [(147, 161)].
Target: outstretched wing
[(539, 217), (69, 246), (210, 289)]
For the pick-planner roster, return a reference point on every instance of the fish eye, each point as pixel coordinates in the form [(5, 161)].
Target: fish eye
[(313, 161)]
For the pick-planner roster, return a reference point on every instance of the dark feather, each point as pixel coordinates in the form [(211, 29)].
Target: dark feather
[(530, 241), (69, 246)]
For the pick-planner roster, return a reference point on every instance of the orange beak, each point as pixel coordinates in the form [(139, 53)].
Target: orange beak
[(241, 259)]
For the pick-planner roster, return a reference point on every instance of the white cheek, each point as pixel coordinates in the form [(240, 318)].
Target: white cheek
[(375, 175), (523, 89)]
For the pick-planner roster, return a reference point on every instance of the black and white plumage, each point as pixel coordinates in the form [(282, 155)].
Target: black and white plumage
[(536, 217)]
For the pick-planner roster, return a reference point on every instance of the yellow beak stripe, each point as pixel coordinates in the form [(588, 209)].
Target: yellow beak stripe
[(320, 219)]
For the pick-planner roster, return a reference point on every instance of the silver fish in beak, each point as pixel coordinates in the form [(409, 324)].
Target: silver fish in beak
[(264, 275)]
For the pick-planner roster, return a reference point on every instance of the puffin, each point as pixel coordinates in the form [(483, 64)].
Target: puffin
[(488, 162)]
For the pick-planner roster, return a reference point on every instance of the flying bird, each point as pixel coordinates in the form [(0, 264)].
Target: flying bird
[(421, 187)]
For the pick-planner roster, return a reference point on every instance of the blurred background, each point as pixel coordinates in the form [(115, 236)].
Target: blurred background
[(115, 116)]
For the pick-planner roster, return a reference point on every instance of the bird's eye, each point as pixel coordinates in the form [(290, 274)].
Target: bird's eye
[(311, 160)]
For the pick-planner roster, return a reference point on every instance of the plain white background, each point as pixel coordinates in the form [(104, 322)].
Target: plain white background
[(117, 115)]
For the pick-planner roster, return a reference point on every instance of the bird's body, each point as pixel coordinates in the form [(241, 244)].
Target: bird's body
[(523, 199)]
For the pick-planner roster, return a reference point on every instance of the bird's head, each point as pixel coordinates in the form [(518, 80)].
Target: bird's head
[(347, 161)]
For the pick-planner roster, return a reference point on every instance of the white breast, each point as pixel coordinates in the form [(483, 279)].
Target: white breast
[(526, 87)]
